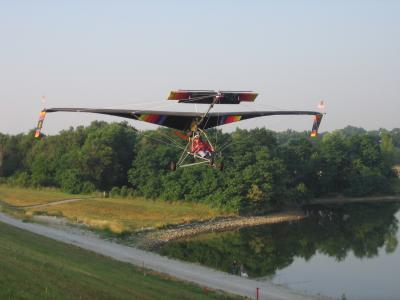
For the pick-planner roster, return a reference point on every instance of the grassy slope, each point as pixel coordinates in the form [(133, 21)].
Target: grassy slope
[(35, 267), (22, 196)]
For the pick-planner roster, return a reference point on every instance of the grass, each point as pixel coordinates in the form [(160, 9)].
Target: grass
[(115, 215), (25, 196), (126, 215), (35, 267)]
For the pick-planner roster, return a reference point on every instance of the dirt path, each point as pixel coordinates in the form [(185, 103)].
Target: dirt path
[(185, 271), (52, 203)]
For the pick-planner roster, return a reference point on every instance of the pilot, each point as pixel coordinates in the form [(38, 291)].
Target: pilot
[(200, 147)]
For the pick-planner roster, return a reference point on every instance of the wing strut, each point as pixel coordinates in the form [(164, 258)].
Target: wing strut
[(216, 99)]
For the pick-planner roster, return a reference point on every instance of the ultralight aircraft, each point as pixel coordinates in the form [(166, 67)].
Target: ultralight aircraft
[(193, 124)]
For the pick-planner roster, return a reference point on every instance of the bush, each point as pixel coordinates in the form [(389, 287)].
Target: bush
[(72, 182), (21, 179), (124, 191), (115, 192), (130, 192), (88, 187)]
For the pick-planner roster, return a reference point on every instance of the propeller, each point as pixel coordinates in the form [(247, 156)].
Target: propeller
[(321, 105), (43, 101)]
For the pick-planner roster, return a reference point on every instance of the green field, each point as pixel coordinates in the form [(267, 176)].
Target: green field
[(35, 267)]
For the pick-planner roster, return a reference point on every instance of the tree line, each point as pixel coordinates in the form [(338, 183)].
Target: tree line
[(264, 170)]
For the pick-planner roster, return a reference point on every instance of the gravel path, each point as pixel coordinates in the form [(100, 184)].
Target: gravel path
[(185, 271)]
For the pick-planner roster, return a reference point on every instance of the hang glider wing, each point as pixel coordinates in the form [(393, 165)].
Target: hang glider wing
[(184, 121), (217, 119), (176, 120)]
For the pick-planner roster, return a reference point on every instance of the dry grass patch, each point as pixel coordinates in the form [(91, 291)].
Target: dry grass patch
[(127, 215), (23, 196)]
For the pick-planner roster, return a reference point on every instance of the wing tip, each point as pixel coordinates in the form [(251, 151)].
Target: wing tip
[(316, 124), (42, 116)]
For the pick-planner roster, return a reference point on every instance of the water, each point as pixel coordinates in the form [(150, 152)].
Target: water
[(349, 250)]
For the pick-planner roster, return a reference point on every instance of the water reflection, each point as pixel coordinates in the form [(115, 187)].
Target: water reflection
[(335, 231)]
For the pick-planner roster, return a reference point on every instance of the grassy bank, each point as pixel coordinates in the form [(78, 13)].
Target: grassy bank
[(116, 215), (35, 267)]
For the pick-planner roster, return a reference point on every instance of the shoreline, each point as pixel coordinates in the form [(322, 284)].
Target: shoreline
[(162, 236), (345, 200)]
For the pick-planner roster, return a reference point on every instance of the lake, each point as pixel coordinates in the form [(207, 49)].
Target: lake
[(346, 250)]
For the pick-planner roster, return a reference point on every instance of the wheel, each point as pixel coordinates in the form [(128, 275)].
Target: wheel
[(211, 161), (172, 166)]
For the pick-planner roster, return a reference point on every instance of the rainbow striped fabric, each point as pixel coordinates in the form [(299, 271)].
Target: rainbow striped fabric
[(156, 119), (229, 119)]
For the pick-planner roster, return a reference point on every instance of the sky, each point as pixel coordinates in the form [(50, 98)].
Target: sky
[(130, 54)]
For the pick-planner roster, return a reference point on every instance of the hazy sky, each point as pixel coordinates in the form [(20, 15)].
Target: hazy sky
[(127, 53)]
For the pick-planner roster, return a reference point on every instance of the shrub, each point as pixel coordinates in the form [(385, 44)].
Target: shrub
[(88, 187), (71, 182), (124, 191), (21, 179), (115, 192)]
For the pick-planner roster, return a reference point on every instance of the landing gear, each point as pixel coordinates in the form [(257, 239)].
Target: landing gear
[(211, 161), (217, 165)]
